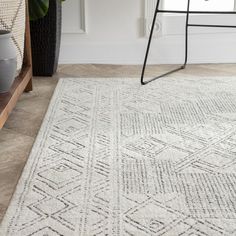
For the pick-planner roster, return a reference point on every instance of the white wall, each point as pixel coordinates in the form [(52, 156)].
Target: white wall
[(115, 36)]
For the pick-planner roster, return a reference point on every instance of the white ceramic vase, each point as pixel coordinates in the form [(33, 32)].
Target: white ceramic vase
[(8, 61)]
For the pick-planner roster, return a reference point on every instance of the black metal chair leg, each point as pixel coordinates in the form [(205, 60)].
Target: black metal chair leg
[(149, 42), (186, 35), (188, 12)]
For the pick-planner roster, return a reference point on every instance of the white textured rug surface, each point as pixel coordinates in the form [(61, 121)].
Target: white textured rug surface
[(114, 158)]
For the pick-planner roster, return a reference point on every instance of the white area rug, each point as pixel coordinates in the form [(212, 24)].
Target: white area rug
[(114, 158)]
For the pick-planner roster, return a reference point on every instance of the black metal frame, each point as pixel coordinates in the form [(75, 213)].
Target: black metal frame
[(187, 25)]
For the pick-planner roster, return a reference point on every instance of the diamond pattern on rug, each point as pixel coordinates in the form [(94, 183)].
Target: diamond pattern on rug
[(115, 158)]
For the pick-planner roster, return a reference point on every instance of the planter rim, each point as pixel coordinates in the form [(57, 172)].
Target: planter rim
[(5, 34)]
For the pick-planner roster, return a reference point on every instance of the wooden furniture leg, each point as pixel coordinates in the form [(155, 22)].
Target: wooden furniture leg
[(27, 53), (22, 83)]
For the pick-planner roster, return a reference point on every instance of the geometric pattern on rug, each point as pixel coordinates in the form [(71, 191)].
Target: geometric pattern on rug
[(116, 158)]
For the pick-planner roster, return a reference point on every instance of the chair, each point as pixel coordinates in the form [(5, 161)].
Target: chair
[(187, 25)]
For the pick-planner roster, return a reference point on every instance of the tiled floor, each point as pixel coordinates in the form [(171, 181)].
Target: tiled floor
[(18, 134)]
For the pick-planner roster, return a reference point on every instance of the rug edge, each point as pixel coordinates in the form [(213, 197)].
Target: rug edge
[(23, 177)]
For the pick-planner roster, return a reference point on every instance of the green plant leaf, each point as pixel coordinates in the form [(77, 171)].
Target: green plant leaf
[(38, 8)]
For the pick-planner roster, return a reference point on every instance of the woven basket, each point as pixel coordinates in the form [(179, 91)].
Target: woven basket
[(12, 18)]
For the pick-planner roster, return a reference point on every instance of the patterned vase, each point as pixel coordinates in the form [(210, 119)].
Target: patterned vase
[(12, 18), (8, 61)]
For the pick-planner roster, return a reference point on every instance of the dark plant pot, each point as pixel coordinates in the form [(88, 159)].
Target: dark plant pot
[(46, 40)]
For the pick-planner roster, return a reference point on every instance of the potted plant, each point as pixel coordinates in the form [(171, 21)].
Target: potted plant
[(45, 26)]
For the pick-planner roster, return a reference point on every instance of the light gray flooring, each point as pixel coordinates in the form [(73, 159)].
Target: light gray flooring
[(18, 134)]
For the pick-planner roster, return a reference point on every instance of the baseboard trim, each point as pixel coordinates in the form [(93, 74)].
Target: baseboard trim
[(165, 50)]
